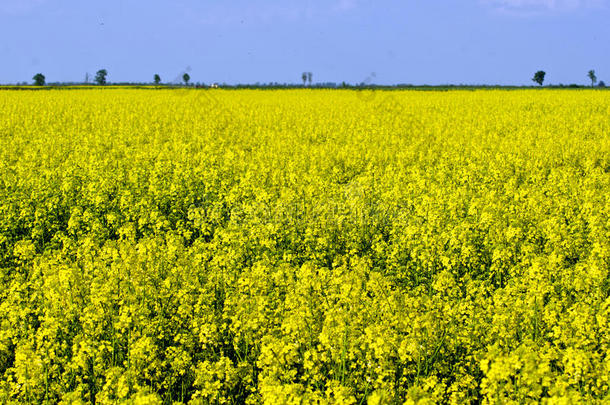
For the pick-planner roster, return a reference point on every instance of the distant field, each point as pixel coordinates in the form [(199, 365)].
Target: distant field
[(304, 246)]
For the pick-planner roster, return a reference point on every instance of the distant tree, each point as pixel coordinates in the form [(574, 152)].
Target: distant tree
[(309, 76), (539, 77), (157, 79), (100, 77), (601, 84), (592, 77), (186, 78), (39, 79), (304, 77), (86, 78)]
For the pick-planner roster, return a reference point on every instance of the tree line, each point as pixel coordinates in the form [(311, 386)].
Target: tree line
[(540, 75), (101, 78)]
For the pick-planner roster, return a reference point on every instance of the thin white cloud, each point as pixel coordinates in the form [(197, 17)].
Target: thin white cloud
[(542, 6), (345, 5), (17, 7)]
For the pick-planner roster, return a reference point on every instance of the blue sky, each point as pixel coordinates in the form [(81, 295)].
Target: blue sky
[(248, 41)]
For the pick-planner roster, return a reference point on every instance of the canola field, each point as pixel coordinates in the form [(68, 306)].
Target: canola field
[(304, 247)]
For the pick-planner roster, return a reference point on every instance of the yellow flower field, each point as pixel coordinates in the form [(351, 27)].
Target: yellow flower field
[(304, 246)]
